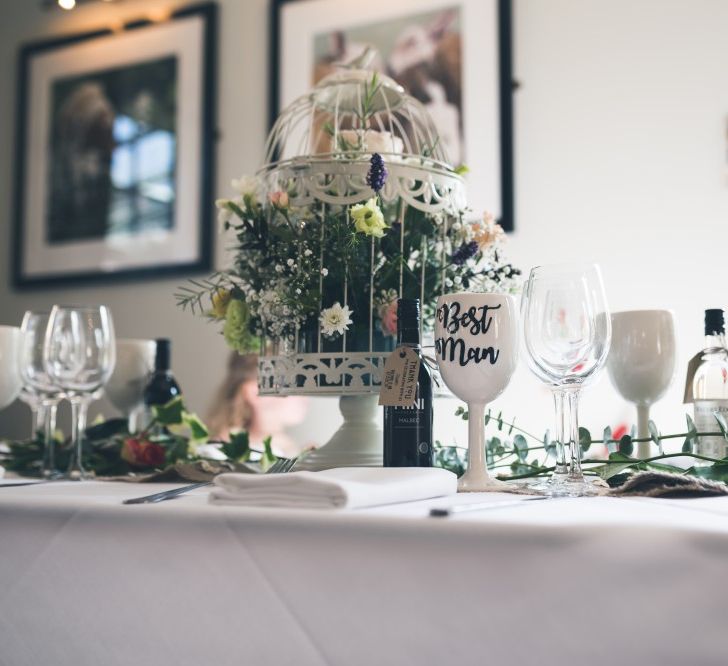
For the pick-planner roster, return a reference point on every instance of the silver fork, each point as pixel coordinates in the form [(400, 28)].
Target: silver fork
[(280, 466)]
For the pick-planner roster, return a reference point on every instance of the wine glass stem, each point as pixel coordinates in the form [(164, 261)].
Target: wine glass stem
[(476, 436), (79, 409), (643, 430), (561, 466), (38, 415), (572, 404), (49, 430)]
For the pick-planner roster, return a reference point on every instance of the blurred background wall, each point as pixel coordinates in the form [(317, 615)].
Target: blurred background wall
[(621, 158)]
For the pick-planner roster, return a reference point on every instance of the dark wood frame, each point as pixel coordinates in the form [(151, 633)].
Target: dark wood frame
[(209, 13), (506, 86)]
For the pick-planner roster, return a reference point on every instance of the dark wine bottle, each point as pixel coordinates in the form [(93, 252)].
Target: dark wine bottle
[(408, 430), (162, 386)]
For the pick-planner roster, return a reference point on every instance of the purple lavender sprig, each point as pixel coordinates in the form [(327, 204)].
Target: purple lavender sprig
[(464, 252), (377, 174)]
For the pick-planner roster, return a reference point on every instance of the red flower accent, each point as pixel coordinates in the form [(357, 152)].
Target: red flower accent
[(142, 453), (620, 431), (577, 367)]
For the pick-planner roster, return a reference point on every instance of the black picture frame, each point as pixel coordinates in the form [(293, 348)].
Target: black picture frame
[(506, 88), (208, 12)]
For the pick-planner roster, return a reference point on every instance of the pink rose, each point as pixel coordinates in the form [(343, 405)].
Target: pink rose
[(142, 453), (388, 315), (279, 199)]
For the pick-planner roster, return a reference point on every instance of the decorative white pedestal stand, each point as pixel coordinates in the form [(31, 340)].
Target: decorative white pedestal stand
[(357, 443)]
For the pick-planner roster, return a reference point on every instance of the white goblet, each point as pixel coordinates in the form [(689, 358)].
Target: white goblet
[(476, 345), (641, 362), (10, 380), (125, 388)]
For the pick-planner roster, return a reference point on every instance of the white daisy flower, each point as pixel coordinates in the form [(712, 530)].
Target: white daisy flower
[(246, 185), (335, 319)]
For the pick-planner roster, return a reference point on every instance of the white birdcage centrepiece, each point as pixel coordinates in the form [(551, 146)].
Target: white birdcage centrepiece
[(355, 206), (318, 153)]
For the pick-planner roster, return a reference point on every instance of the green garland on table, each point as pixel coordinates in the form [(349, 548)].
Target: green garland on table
[(174, 435), (177, 435), (503, 452)]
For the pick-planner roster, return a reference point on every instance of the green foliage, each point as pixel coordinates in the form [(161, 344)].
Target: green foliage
[(722, 424), (238, 448), (512, 454), (585, 439), (109, 449)]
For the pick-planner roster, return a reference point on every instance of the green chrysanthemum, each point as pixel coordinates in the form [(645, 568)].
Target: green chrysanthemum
[(236, 330)]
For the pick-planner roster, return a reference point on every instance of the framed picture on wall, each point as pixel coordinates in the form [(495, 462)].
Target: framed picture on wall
[(114, 161), (452, 55)]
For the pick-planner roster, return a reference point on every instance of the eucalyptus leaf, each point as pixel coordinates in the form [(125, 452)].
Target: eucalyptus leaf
[(500, 420), (607, 435), (654, 432), (626, 446), (692, 430), (520, 445), (721, 423), (585, 439)]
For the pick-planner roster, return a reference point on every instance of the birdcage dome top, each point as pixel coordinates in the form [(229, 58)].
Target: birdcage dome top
[(320, 145)]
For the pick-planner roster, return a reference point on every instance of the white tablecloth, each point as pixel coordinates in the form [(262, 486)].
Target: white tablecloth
[(85, 580)]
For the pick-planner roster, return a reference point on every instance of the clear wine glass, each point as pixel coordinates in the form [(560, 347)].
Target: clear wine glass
[(79, 356), (38, 390), (567, 333)]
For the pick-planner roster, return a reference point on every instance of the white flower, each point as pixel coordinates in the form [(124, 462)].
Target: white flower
[(211, 452), (224, 214), (324, 271), (335, 319), (307, 253), (246, 185), (290, 262)]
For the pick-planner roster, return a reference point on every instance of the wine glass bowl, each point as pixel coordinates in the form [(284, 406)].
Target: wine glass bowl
[(10, 380), (476, 346), (641, 362)]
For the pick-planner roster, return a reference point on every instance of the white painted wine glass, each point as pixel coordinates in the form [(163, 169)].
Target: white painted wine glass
[(476, 345), (641, 362), (10, 380), (125, 388)]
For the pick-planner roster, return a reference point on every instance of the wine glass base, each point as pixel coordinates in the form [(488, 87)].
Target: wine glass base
[(478, 482)]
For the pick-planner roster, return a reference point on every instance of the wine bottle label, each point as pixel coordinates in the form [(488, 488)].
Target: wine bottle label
[(704, 416), (399, 383)]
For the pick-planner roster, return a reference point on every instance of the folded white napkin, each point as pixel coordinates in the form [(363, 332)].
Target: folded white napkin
[(345, 487)]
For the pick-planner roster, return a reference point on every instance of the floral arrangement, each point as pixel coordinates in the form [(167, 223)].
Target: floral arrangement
[(175, 435), (178, 436), (316, 274), (508, 452)]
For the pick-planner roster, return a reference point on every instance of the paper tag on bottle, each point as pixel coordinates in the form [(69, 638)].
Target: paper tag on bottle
[(692, 367), (399, 381)]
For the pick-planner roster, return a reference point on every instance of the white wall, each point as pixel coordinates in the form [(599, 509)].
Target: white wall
[(620, 158)]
